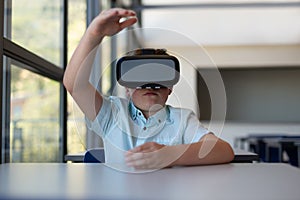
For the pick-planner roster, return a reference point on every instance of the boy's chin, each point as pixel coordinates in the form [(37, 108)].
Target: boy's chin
[(154, 108)]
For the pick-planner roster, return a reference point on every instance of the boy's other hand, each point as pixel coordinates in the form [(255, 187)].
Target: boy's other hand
[(150, 155)]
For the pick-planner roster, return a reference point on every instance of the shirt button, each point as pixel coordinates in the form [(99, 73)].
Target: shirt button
[(159, 121), (144, 128)]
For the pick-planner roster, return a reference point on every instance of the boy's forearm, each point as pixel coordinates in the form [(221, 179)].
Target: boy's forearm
[(205, 152), (79, 68), (107, 23)]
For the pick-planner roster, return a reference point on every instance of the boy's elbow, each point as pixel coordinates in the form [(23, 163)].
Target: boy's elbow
[(226, 153), (229, 153), (67, 84)]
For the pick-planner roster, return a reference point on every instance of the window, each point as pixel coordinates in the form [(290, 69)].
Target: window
[(40, 122), (81, 13), (33, 99), (34, 118), (37, 27), (76, 125)]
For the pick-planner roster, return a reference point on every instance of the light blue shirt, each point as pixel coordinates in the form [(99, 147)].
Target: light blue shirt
[(122, 126)]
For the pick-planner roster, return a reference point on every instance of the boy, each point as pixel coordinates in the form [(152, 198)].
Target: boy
[(152, 134)]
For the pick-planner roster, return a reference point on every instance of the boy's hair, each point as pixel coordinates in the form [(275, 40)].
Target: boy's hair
[(147, 51)]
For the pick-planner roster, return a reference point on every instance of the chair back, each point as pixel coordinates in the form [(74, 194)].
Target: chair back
[(94, 156)]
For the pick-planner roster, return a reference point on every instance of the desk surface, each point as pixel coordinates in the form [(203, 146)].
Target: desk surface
[(98, 181)]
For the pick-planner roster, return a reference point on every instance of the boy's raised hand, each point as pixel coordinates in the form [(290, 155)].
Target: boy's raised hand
[(108, 23)]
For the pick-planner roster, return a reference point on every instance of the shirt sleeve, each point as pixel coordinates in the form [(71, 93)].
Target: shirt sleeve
[(102, 121), (194, 129)]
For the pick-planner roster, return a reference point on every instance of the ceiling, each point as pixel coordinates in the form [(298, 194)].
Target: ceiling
[(221, 23)]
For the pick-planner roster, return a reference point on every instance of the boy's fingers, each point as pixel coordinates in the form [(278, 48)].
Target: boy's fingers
[(121, 12), (136, 149), (133, 157), (141, 148), (128, 22), (124, 13)]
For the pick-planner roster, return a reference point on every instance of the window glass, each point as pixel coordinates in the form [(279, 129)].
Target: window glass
[(106, 59), (187, 2), (79, 139), (76, 123), (34, 121), (37, 26), (106, 66)]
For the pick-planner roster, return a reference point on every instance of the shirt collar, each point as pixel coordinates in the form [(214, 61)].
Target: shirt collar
[(159, 117)]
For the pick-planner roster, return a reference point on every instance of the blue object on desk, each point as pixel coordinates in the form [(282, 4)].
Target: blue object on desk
[(94, 156)]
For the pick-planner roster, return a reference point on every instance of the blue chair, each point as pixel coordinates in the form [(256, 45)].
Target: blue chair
[(94, 156)]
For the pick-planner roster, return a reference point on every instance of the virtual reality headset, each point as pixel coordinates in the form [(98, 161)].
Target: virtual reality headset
[(148, 71)]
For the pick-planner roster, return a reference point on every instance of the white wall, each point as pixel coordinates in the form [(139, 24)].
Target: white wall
[(231, 130), (238, 56), (227, 56)]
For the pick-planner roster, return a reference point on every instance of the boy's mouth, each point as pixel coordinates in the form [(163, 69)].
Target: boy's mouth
[(150, 94)]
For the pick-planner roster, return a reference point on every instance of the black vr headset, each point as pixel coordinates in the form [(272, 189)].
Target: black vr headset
[(148, 71)]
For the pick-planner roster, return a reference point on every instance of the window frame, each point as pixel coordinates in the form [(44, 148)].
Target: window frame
[(37, 65), (1, 76)]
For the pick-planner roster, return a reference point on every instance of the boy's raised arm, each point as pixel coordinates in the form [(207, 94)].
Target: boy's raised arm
[(76, 77)]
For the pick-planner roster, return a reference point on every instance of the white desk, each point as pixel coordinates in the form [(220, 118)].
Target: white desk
[(97, 181)]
